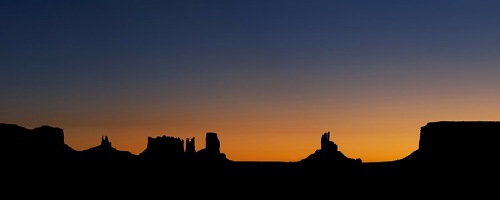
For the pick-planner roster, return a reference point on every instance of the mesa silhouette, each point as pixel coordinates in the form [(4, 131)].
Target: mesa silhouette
[(447, 150)]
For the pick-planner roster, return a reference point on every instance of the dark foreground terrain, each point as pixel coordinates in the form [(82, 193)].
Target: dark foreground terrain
[(454, 160), (246, 180)]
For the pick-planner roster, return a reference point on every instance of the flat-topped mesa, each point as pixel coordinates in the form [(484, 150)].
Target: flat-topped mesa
[(450, 147), (163, 148), (459, 140), (41, 143), (50, 136)]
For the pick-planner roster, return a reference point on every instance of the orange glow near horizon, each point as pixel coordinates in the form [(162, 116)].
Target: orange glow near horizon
[(269, 77), (372, 132)]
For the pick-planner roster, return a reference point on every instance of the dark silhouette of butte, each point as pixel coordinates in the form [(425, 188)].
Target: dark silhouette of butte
[(449, 152)]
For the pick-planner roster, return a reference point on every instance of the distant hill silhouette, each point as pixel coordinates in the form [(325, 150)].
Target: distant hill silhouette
[(448, 150)]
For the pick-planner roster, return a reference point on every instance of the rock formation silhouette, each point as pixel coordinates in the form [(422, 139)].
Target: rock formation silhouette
[(44, 143), (449, 152), (211, 152), (455, 147), (164, 148), (190, 147), (105, 153), (168, 149), (329, 154)]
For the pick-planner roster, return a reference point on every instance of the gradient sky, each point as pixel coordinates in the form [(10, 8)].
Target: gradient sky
[(269, 77)]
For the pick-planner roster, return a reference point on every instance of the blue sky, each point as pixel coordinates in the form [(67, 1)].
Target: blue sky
[(62, 59)]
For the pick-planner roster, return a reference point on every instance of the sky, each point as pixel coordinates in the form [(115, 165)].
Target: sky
[(268, 76)]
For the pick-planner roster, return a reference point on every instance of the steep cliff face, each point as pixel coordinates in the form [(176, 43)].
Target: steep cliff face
[(44, 142), (460, 140), (190, 147), (457, 142), (168, 148), (164, 148), (211, 152)]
